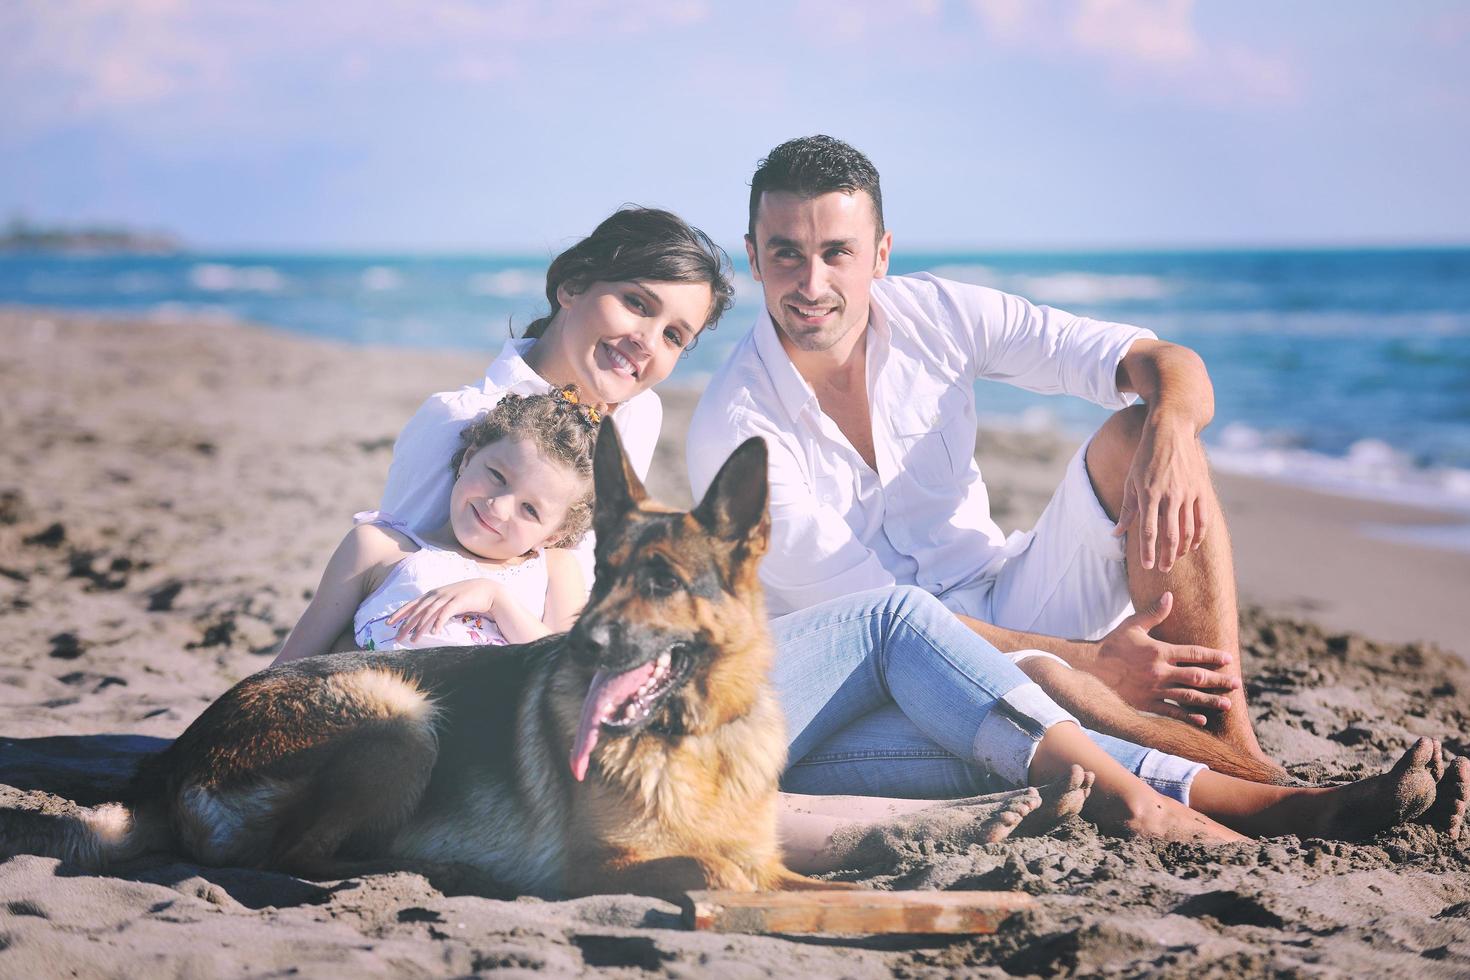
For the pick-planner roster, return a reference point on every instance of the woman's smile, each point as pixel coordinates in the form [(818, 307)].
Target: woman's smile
[(619, 361)]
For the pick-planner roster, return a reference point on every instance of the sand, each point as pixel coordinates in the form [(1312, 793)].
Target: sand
[(169, 493)]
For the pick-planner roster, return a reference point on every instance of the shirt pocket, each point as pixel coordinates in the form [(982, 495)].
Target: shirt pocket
[(935, 451)]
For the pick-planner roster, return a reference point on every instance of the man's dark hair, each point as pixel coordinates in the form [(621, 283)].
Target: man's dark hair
[(814, 165)]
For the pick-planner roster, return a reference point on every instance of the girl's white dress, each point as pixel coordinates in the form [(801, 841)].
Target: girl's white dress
[(429, 568)]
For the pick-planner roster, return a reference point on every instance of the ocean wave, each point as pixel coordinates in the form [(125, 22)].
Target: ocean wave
[(1088, 287), (1371, 468), (979, 275), (134, 283), (507, 283), (1072, 286), (380, 278), (215, 277)]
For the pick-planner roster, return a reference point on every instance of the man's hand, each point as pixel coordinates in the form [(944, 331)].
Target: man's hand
[(1166, 495), (1150, 674), (429, 613)]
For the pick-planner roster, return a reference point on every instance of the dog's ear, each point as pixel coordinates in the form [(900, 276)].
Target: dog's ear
[(734, 506), (616, 487)]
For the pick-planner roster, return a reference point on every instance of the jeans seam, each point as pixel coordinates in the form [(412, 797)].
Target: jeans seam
[(998, 698), (813, 759)]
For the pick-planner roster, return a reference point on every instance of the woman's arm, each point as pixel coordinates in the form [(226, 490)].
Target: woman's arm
[(348, 579)]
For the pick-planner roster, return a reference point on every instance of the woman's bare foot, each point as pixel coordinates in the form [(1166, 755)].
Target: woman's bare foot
[(1151, 814), (1060, 799), (1451, 799)]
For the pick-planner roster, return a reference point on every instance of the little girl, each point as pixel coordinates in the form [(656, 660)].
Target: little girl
[(494, 572)]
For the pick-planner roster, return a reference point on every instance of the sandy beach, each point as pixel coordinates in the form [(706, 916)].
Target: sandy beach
[(171, 491)]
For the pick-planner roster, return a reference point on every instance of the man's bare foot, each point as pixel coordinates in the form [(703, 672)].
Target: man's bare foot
[(1451, 799), (1060, 799), (1361, 809)]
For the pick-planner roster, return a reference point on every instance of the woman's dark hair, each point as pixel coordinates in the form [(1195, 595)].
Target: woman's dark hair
[(560, 428), (640, 244), (811, 166)]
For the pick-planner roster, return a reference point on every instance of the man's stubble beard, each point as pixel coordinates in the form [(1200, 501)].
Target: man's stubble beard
[(811, 341)]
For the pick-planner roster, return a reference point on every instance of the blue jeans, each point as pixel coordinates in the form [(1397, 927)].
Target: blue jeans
[(886, 693)]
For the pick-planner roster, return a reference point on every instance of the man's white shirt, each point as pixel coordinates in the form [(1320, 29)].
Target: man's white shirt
[(923, 518)]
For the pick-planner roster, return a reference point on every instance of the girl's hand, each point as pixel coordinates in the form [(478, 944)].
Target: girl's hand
[(430, 612)]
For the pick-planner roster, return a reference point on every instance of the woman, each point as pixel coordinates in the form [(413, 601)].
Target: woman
[(624, 304), (626, 301)]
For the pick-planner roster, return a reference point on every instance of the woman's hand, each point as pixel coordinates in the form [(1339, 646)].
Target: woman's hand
[(430, 612)]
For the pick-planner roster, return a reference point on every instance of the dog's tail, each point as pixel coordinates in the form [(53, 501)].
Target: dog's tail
[(91, 838), (786, 880)]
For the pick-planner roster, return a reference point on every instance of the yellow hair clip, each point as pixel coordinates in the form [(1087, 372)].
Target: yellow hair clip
[(569, 394)]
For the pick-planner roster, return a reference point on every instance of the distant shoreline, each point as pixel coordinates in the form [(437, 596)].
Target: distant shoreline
[(20, 237)]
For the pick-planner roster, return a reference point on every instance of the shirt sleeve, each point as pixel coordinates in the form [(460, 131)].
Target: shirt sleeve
[(1038, 348), (814, 556), (639, 423), (417, 490)]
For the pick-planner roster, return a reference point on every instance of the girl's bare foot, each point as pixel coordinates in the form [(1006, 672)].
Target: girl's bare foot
[(1060, 799), (974, 819)]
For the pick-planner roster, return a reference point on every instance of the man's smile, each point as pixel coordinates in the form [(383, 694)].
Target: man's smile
[(811, 315)]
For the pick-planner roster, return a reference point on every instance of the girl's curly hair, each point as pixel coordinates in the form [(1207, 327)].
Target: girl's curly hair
[(560, 428)]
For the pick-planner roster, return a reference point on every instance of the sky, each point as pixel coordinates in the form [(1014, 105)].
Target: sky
[(509, 125)]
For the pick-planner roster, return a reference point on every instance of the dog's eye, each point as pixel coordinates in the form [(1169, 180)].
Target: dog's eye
[(660, 581)]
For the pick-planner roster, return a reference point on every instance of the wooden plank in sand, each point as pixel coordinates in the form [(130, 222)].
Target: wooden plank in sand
[(851, 913)]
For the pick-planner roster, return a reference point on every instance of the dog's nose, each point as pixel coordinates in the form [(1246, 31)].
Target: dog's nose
[(600, 636)]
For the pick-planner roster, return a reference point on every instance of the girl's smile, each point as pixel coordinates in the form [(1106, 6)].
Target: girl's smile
[(509, 499)]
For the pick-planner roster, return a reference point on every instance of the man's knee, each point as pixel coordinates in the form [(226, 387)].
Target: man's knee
[(1110, 454)]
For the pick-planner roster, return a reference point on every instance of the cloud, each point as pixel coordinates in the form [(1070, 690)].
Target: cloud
[(1160, 32), (90, 59), (1141, 43)]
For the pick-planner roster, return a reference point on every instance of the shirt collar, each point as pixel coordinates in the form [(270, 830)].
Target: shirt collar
[(509, 370), (793, 390)]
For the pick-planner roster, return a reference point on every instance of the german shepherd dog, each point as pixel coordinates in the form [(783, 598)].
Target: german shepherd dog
[(638, 753)]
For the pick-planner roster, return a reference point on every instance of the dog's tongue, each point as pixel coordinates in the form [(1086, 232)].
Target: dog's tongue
[(607, 693)]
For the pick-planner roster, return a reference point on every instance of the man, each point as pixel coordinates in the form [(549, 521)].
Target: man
[(862, 386)]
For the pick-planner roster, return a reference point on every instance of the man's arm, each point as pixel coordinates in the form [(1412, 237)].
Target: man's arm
[(1166, 502), (1187, 675)]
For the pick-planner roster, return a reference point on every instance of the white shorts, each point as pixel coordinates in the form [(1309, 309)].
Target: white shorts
[(1069, 582)]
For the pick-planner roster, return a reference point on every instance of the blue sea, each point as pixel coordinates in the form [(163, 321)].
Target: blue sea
[(1342, 370)]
